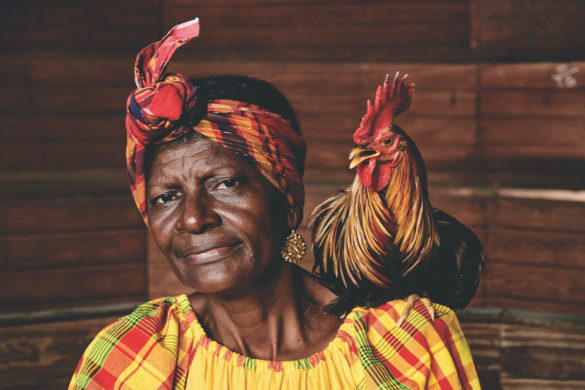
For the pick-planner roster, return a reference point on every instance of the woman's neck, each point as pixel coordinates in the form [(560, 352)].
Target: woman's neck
[(279, 317)]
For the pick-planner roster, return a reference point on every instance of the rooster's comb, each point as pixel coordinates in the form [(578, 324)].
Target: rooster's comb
[(391, 100)]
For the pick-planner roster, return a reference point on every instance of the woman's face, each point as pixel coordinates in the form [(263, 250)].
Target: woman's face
[(217, 220)]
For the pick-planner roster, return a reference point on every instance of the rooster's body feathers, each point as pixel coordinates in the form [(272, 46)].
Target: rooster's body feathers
[(380, 239)]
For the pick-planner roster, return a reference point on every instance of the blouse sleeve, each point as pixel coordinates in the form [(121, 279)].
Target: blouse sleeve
[(136, 352), (421, 354)]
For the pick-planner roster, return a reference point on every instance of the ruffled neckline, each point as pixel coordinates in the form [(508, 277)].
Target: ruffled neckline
[(341, 343)]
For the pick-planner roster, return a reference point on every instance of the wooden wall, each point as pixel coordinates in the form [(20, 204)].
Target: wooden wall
[(500, 122)]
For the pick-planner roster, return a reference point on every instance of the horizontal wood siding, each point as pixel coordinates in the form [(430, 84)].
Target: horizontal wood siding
[(498, 114)]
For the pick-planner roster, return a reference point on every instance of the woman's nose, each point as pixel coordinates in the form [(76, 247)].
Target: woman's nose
[(198, 215)]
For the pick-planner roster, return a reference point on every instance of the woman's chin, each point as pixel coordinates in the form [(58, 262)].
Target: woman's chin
[(215, 277)]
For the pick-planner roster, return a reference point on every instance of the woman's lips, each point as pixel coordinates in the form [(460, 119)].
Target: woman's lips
[(198, 256)]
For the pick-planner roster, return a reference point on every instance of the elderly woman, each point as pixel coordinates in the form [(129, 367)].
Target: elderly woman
[(215, 166)]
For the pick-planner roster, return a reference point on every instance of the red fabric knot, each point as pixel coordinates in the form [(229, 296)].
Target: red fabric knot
[(155, 109)]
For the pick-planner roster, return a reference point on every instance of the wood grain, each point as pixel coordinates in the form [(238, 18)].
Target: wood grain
[(44, 353), (483, 117), (89, 26), (69, 215), (527, 30), (70, 287), (301, 30), (23, 252)]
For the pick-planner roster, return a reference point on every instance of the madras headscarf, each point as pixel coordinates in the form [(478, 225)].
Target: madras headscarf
[(164, 108)]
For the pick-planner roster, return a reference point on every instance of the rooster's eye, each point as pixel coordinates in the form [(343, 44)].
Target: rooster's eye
[(387, 141)]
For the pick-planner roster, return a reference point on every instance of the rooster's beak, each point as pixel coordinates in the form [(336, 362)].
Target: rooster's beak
[(359, 154)]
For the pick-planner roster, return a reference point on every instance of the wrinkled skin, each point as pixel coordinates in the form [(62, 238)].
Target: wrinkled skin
[(214, 217), (220, 224)]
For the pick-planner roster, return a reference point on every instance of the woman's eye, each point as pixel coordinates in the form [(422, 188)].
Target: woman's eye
[(165, 198), (229, 183)]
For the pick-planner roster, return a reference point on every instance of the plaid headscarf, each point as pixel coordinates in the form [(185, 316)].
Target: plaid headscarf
[(163, 109)]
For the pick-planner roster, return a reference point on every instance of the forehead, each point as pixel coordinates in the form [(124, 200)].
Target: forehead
[(195, 156)]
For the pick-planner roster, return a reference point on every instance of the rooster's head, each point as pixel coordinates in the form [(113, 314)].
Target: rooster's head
[(379, 143)]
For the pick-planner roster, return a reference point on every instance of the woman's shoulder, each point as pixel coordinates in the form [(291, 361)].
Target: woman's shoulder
[(161, 315), (422, 351), (151, 332), (155, 314), (156, 317), (382, 323), (392, 310)]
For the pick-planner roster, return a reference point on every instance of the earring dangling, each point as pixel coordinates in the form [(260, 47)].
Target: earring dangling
[(293, 248)]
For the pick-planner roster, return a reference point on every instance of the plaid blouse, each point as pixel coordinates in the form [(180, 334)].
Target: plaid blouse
[(161, 345)]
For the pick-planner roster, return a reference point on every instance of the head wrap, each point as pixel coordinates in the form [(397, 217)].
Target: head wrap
[(164, 108)]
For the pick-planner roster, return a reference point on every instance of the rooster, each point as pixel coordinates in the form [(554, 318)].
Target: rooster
[(380, 239)]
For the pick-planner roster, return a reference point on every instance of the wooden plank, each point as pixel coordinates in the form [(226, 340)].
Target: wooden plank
[(553, 103), (40, 99), (523, 303), (295, 31), (62, 127), (540, 384), (45, 353), (537, 247), (72, 286), (433, 103), (63, 154), (451, 53), (362, 77), (431, 131), (526, 179), (102, 99), (116, 70), (530, 158), (82, 70), (546, 214), (528, 352), (525, 75), (69, 184), (383, 36), (72, 249), (534, 30), (536, 283), (566, 132), (222, 3), (79, 26), (509, 354), (239, 15), (320, 175), (69, 215), (467, 207), (16, 99), (84, 73)]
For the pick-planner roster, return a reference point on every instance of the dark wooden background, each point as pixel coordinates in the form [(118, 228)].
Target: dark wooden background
[(500, 125)]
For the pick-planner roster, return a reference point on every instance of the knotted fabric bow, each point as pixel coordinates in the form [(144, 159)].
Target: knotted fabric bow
[(162, 110)]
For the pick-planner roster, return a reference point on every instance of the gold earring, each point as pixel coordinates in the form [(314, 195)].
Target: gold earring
[(293, 248)]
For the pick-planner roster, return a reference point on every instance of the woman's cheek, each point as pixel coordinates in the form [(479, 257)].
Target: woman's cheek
[(160, 227)]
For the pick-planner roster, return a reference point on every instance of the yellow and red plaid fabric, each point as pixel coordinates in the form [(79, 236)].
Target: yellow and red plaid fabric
[(161, 345)]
